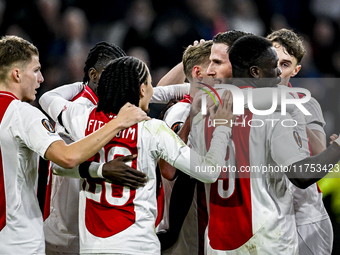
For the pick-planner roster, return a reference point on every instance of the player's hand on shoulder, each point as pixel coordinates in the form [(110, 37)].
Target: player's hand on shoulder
[(130, 114), (117, 172)]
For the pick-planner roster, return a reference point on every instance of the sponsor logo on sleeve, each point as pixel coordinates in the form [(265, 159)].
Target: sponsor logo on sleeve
[(48, 125), (297, 139)]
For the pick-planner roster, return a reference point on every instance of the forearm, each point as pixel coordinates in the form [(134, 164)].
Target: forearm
[(71, 155), (311, 169), (52, 102), (84, 170), (163, 95), (317, 141), (66, 172), (167, 170), (206, 168)]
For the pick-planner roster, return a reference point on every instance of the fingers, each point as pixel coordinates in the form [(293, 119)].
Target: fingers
[(333, 137), (212, 111), (225, 98), (128, 158), (210, 102), (133, 184), (196, 42)]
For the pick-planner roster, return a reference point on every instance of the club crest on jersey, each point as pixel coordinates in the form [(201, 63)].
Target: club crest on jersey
[(48, 125), (297, 139)]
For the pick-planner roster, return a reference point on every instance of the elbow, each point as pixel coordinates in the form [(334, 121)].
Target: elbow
[(210, 180), (168, 171), (69, 162), (169, 175)]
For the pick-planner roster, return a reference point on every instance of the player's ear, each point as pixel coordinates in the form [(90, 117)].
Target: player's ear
[(296, 70), (196, 72), (93, 75), (142, 90), (15, 74), (254, 71)]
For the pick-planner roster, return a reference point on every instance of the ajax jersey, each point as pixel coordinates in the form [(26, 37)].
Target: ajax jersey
[(250, 210), (25, 133)]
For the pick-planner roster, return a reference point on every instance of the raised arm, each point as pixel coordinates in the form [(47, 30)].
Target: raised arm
[(309, 170), (176, 149), (53, 101), (174, 76), (162, 95)]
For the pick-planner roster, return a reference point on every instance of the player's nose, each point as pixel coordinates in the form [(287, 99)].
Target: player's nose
[(279, 71)]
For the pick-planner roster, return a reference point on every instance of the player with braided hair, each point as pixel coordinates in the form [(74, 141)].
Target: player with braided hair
[(121, 220), (63, 195), (115, 94), (97, 58)]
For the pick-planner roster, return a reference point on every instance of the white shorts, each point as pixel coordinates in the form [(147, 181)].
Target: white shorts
[(316, 238)]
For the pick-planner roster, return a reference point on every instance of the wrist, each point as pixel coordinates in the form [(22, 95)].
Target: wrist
[(117, 124), (91, 170), (96, 170)]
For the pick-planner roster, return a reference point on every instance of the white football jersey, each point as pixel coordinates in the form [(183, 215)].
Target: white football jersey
[(250, 211), (308, 204), (191, 236), (132, 230), (25, 133), (61, 227)]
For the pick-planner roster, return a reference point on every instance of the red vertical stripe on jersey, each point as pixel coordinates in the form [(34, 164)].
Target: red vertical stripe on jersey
[(104, 219), (47, 204), (160, 204), (230, 219), (202, 215), (2, 196), (5, 100), (87, 93)]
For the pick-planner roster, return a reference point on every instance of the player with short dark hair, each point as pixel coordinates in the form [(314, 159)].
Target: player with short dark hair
[(251, 53), (220, 68)]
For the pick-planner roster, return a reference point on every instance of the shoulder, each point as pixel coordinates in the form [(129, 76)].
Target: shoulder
[(312, 103), (26, 109), (154, 126)]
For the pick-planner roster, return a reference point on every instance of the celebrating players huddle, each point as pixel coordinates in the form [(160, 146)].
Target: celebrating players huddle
[(128, 184)]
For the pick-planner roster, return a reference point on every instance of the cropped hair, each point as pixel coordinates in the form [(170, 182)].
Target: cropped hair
[(120, 83), (99, 56), (229, 37), (290, 42), (196, 55), (250, 50), (14, 51)]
